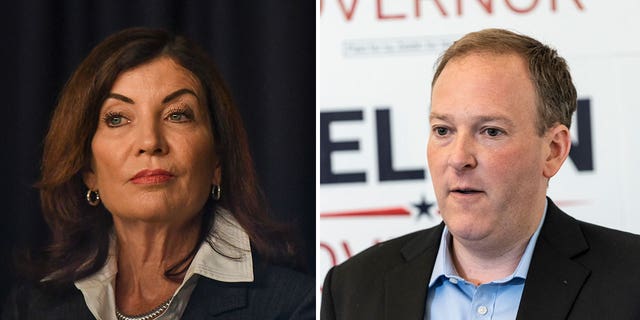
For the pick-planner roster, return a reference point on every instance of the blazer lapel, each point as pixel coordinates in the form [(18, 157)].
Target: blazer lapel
[(406, 285), (211, 298), (554, 279)]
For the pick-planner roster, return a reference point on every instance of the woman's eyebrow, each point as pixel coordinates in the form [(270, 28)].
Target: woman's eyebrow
[(178, 93), (120, 97), (166, 99)]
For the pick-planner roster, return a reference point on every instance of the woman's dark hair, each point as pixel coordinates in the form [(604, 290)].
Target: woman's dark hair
[(79, 232)]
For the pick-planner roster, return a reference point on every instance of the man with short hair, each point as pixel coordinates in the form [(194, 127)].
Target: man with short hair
[(501, 107)]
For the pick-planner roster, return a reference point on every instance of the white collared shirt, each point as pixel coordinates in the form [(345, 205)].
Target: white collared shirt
[(231, 262)]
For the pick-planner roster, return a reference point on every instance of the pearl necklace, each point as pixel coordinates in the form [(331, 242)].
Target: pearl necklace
[(156, 312)]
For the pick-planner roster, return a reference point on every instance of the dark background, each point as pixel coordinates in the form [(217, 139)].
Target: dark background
[(264, 49)]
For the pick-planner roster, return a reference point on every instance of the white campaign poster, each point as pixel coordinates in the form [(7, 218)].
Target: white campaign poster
[(375, 64)]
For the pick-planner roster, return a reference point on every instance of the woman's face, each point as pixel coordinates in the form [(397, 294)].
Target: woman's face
[(153, 153)]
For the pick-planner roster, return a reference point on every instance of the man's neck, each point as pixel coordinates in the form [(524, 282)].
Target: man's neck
[(484, 266), (496, 256)]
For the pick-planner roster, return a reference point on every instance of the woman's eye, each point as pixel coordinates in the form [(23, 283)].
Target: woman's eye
[(177, 117), (181, 115), (115, 119)]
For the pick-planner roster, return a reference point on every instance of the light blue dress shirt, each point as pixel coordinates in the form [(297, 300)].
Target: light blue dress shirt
[(451, 297)]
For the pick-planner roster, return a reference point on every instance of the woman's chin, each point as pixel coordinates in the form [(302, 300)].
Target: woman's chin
[(156, 215)]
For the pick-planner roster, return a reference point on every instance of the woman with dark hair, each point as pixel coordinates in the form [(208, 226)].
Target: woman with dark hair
[(151, 197)]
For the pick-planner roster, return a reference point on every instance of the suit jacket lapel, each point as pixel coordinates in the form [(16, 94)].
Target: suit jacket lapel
[(211, 298), (406, 285), (554, 279)]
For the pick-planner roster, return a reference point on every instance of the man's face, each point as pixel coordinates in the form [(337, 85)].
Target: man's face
[(485, 156)]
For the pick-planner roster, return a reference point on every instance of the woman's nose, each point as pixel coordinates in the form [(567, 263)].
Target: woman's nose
[(151, 138)]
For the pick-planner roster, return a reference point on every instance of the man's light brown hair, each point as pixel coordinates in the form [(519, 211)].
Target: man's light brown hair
[(556, 94)]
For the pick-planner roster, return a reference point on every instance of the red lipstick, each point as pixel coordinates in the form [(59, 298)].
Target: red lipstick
[(154, 176)]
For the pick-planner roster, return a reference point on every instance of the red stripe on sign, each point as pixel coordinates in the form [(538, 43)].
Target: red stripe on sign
[(393, 212)]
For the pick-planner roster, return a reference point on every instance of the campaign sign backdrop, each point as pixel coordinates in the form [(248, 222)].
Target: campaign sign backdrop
[(376, 60)]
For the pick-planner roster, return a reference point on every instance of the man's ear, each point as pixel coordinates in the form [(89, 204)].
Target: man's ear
[(558, 141)]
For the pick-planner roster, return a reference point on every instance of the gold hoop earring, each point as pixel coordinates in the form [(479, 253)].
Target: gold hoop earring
[(216, 192), (93, 197)]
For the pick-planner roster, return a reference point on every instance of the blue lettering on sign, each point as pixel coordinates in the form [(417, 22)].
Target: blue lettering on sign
[(581, 152)]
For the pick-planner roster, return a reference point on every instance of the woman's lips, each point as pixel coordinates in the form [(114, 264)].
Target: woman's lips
[(154, 176)]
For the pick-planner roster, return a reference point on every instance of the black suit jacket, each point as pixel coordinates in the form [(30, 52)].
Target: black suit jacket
[(276, 293), (577, 271)]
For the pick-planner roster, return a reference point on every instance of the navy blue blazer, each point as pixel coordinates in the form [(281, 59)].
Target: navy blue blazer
[(578, 271), (276, 293)]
